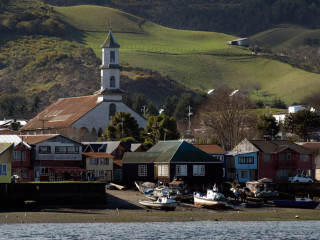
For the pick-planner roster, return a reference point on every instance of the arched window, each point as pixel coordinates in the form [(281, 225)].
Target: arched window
[(112, 110), (112, 81)]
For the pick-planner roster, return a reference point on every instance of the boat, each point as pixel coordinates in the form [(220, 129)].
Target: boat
[(213, 199), (261, 190), (299, 202), (145, 188), (162, 203)]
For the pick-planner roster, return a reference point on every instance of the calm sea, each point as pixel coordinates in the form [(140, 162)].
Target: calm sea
[(167, 230)]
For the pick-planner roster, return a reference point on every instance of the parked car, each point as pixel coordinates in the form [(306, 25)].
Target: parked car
[(300, 178)]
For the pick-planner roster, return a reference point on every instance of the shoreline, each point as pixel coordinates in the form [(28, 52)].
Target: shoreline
[(123, 207)]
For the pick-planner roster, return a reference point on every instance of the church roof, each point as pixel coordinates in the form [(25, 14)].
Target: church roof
[(63, 113), (110, 42)]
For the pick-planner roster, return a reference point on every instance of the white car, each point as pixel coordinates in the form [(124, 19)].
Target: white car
[(300, 178)]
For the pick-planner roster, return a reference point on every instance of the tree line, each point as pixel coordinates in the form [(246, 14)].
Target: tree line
[(235, 17)]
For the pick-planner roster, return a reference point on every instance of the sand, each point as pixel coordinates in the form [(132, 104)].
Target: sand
[(123, 206)]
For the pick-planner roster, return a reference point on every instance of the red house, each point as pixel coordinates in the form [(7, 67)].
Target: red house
[(280, 159)]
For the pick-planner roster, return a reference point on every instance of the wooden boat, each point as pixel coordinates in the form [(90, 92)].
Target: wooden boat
[(213, 199), (162, 203), (261, 190), (298, 203)]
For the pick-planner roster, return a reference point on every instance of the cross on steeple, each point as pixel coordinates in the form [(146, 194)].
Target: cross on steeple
[(110, 25)]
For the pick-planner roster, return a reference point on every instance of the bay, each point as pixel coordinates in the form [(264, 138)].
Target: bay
[(165, 230)]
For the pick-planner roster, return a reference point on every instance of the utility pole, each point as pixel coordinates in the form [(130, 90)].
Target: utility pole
[(189, 121)]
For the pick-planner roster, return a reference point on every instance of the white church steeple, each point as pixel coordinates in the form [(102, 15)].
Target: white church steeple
[(110, 69)]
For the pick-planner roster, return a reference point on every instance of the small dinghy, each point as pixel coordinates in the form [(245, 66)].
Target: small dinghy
[(162, 203)]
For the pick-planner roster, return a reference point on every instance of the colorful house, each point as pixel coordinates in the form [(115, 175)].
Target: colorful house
[(172, 159), (278, 159), (6, 154)]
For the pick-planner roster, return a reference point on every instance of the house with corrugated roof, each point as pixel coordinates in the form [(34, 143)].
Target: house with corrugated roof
[(6, 153), (21, 160), (84, 118), (55, 157), (276, 159), (172, 159)]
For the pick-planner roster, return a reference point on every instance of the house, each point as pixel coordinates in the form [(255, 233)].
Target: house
[(100, 164), (55, 157), (315, 147), (278, 159), (21, 160), (6, 153), (114, 148), (240, 42), (215, 151), (242, 162), (84, 118), (172, 159)]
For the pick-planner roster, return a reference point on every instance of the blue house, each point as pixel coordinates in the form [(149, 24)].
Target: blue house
[(242, 163)]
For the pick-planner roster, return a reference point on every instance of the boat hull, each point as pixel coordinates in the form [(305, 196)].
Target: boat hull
[(209, 203), (296, 204), (160, 206)]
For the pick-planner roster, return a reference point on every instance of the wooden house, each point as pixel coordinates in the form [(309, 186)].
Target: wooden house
[(172, 159), (6, 153)]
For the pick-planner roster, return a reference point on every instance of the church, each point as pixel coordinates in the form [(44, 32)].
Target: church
[(85, 118)]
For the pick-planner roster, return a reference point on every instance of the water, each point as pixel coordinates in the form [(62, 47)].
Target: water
[(168, 230)]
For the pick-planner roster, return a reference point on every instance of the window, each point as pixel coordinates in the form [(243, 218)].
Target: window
[(267, 157), (67, 150), (142, 171), (198, 170), (220, 157), (304, 158), (19, 155), (44, 171), (163, 170), (244, 174), (61, 150), (285, 157), (100, 173), (246, 160), (104, 161), (181, 170), (93, 161), (112, 110), (112, 56), (45, 149), (305, 172), (3, 169), (282, 173), (112, 82)]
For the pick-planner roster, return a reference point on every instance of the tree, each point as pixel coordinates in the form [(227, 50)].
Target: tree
[(139, 104), (158, 128), (302, 123), (181, 111), (15, 126), (278, 103), (170, 105), (152, 110), (35, 105), (313, 100), (267, 125), (122, 125), (226, 116)]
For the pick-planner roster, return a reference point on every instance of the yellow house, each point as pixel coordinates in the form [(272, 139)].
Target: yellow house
[(99, 166), (6, 154)]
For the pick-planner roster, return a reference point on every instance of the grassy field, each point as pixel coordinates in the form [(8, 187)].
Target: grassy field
[(200, 60)]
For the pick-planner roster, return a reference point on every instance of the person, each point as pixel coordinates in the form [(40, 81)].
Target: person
[(236, 195), (242, 196)]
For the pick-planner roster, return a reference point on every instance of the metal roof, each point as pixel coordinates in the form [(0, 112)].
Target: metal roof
[(62, 113), (15, 139), (97, 155), (110, 42), (211, 148), (276, 146)]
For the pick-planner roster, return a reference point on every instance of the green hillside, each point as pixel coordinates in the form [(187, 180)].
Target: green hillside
[(197, 59)]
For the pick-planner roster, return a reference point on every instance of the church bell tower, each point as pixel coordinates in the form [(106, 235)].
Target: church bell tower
[(110, 69)]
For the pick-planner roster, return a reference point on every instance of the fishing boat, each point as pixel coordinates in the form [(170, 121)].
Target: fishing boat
[(213, 199), (162, 203), (300, 202)]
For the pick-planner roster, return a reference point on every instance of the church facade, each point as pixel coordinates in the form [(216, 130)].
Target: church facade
[(85, 118)]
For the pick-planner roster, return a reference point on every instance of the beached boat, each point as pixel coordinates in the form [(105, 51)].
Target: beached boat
[(261, 190), (251, 205), (162, 203), (298, 203), (213, 199)]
